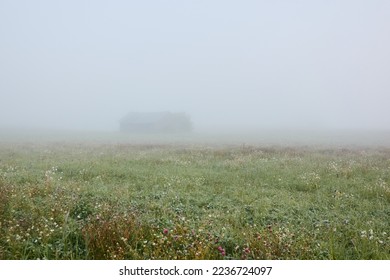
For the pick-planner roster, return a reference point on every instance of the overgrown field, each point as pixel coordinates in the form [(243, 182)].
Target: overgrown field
[(133, 201)]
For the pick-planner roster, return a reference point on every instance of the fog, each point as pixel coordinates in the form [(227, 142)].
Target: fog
[(83, 65)]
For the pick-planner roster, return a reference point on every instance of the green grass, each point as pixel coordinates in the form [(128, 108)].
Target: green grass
[(134, 201)]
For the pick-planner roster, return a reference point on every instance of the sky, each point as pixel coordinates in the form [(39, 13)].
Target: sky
[(80, 64)]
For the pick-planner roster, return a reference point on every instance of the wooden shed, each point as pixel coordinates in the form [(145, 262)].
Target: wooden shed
[(155, 122)]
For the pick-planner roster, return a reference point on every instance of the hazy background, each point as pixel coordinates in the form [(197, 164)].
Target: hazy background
[(258, 64)]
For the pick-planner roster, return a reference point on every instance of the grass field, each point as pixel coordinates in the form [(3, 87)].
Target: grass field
[(124, 200)]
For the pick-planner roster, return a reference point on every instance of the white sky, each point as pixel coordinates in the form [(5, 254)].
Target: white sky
[(297, 64)]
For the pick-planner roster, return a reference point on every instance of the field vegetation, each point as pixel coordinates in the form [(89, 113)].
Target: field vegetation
[(68, 200)]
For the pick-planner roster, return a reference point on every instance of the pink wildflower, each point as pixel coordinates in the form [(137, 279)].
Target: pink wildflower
[(221, 250)]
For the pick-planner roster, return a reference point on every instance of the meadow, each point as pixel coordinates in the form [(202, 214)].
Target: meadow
[(133, 200)]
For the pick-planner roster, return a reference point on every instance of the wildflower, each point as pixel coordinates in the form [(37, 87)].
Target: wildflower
[(165, 231), (221, 250)]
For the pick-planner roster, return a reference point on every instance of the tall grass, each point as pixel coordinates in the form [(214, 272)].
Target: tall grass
[(122, 201)]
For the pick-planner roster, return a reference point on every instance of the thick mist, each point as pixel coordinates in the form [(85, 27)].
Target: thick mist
[(83, 65)]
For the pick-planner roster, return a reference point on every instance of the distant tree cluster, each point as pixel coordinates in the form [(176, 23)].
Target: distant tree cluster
[(156, 122)]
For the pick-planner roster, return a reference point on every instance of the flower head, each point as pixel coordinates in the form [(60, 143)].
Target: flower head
[(221, 250)]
